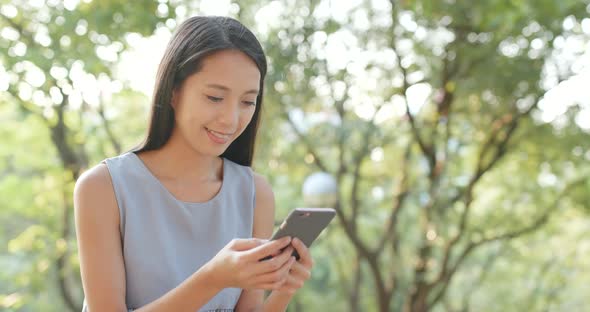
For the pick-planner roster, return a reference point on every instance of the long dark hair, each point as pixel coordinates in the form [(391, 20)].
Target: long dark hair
[(196, 38)]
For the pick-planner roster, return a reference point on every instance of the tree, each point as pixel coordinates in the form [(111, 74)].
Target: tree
[(57, 56), (431, 115), (435, 101)]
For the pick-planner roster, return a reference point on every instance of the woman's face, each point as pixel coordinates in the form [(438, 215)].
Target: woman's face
[(214, 106)]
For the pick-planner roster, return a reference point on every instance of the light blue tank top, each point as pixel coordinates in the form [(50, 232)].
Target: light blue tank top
[(166, 240)]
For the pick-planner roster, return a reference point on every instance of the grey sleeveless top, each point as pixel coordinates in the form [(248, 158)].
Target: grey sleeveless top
[(166, 240)]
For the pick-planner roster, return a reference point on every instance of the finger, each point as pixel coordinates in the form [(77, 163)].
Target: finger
[(294, 282), (289, 286), (272, 286), (289, 282), (300, 272), (275, 263), (242, 244), (303, 251), (268, 248), (280, 274)]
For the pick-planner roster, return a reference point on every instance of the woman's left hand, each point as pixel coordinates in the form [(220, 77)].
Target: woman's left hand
[(300, 271)]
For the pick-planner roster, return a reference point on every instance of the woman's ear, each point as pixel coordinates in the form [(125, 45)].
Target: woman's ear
[(174, 100)]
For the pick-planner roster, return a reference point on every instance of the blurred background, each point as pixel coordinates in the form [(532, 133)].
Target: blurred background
[(455, 135)]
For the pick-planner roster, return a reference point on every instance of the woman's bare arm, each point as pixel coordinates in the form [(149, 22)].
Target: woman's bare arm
[(101, 259), (264, 213), (99, 241)]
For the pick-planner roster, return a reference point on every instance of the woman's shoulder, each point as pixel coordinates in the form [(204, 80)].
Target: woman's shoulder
[(94, 197), (95, 181), (100, 176), (261, 182), (264, 207), (263, 188)]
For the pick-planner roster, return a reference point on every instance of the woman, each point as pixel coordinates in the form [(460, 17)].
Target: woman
[(179, 224)]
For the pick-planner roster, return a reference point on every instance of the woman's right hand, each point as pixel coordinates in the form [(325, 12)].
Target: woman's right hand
[(238, 264)]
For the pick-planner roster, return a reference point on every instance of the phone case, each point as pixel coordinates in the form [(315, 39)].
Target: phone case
[(305, 224)]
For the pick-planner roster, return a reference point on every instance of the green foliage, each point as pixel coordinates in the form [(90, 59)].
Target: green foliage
[(336, 109)]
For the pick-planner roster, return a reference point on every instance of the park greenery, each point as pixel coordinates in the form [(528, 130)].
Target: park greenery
[(463, 179)]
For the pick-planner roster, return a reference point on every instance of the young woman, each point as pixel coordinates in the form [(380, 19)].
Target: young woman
[(181, 222)]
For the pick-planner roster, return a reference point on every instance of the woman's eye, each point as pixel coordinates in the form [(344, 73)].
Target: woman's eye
[(214, 99), (249, 103)]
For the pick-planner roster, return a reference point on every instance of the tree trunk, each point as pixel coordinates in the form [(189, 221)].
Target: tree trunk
[(418, 301), (73, 163), (356, 286)]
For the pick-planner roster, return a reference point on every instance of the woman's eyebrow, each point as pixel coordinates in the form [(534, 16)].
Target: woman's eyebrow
[(224, 88)]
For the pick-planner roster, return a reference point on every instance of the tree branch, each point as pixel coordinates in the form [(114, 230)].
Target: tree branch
[(358, 160), (446, 276), (400, 195), (360, 246), (107, 128), (481, 169), (317, 160), (427, 150)]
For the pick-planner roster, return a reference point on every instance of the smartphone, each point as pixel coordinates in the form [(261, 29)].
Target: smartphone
[(305, 224)]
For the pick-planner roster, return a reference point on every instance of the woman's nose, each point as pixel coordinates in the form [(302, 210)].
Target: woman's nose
[(229, 117)]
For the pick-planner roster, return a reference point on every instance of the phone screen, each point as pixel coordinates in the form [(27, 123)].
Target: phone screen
[(304, 223)]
